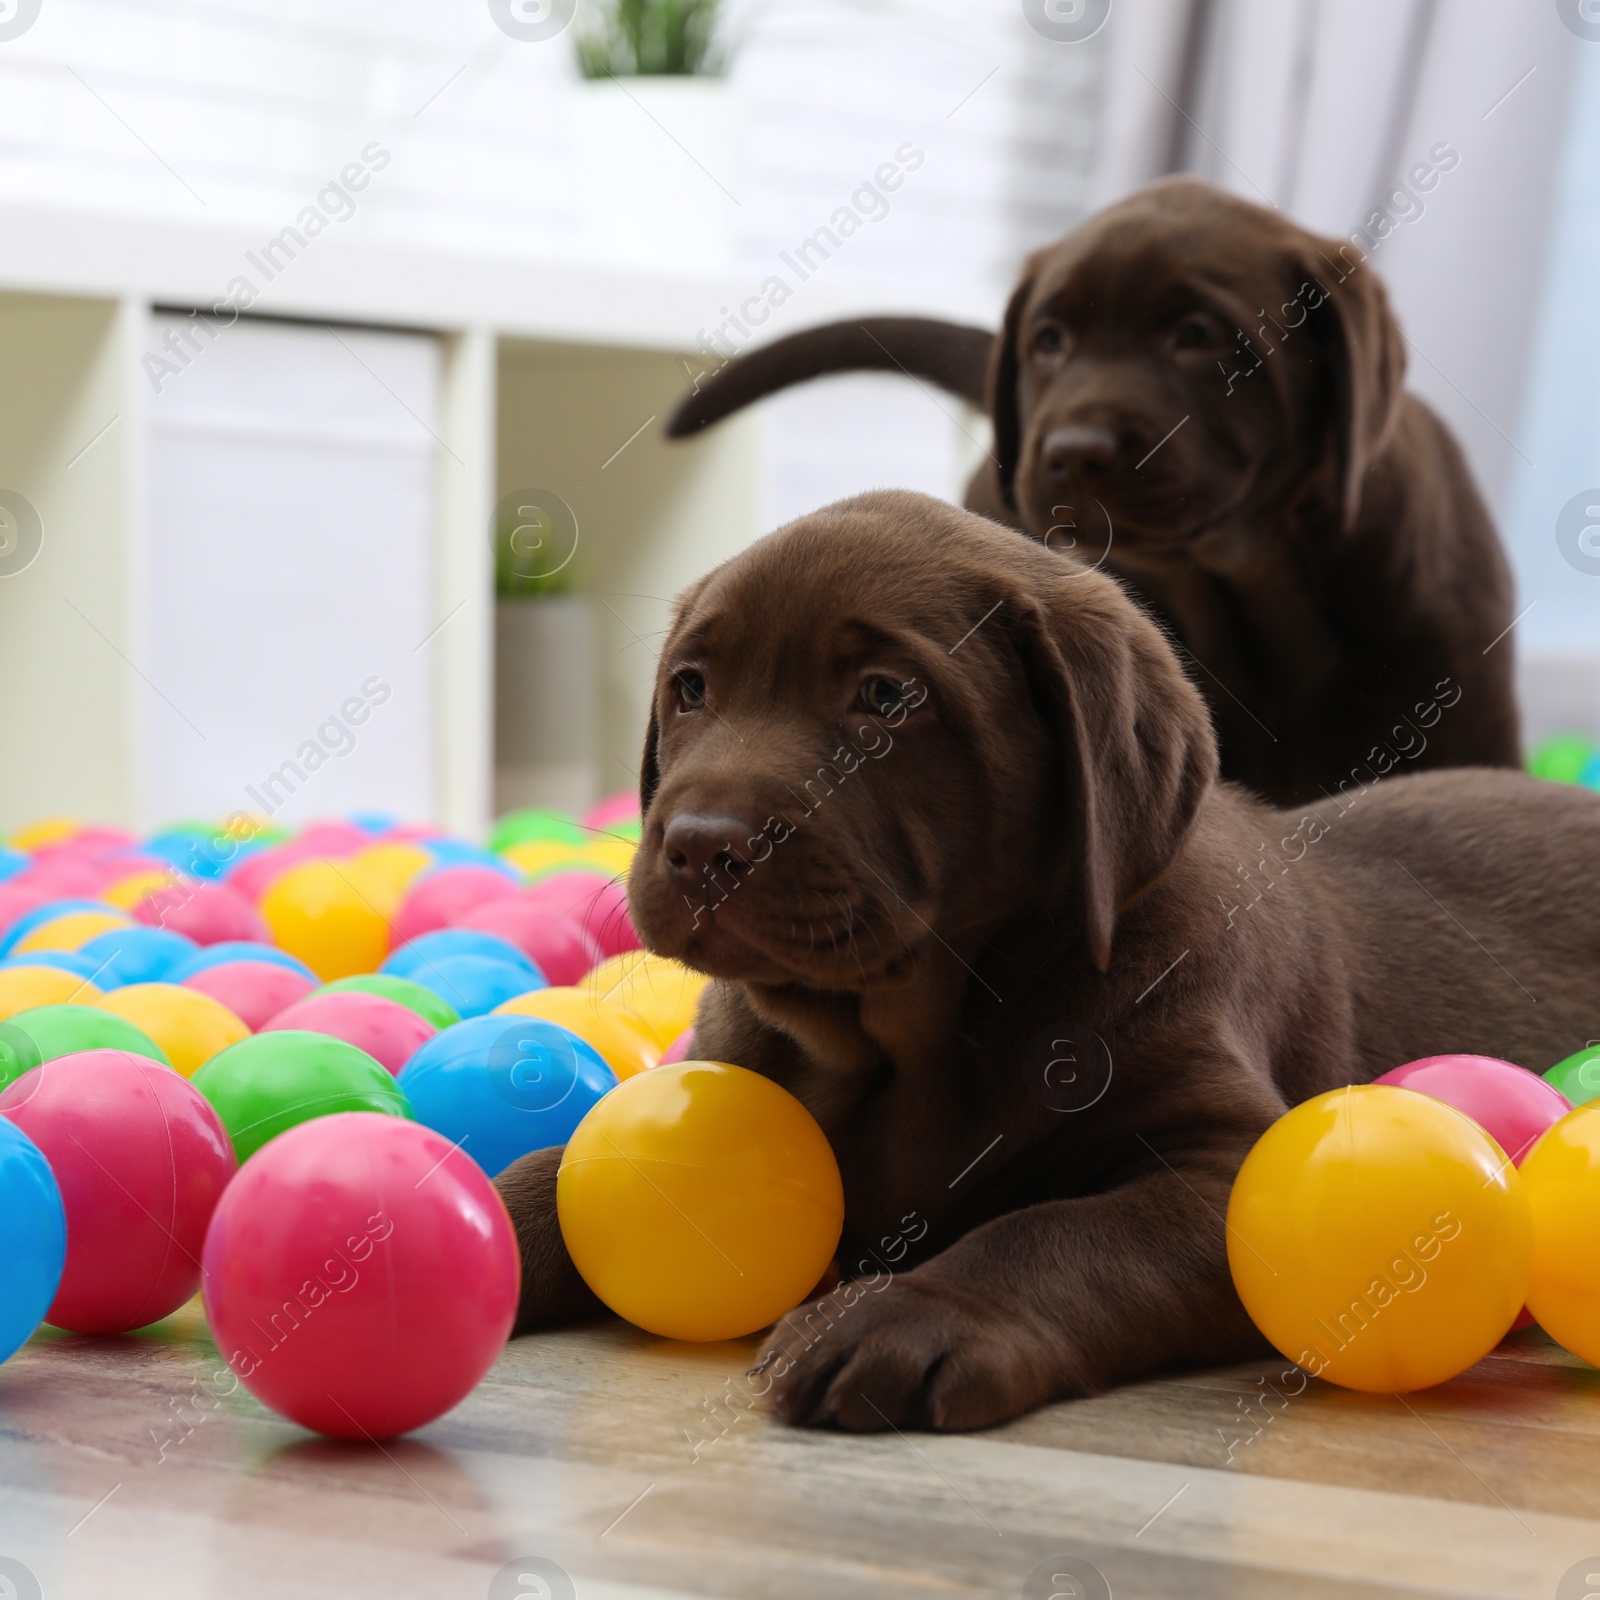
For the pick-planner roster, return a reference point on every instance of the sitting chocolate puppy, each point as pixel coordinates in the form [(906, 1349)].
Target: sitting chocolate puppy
[(1207, 399), (937, 810)]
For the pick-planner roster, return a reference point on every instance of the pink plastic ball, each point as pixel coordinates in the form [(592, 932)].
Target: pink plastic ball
[(18, 899), (681, 1048), (256, 872), (560, 947), (433, 901), (620, 807), (1512, 1105), (598, 902), (331, 837), (62, 879), (361, 1275), (142, 1160), (254, 991), (386, 1030), (208, 913)]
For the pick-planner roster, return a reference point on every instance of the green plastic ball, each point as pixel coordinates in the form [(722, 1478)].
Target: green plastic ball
[(536, 823), (1561, 757), (66, 1029), (1578, 1077), (271, 1082), (413, 996)]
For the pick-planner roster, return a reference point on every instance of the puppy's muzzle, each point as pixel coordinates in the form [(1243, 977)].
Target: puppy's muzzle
[(695, 846)]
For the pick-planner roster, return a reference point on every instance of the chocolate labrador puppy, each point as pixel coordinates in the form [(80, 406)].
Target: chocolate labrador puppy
[(937, 811), (1206, 399)]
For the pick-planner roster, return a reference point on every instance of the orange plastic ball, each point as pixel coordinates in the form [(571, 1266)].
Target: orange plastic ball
[(1561, 1176), (317, 911), (624, 1041)]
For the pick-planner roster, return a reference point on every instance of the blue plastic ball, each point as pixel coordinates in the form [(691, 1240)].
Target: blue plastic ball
[(502, 1086), (458, 853), (29, 920), (475, 985), (413, 958), (33, 1237), (219, 955), (1589, 777), (73, 961), (136, 955), (11, 862)]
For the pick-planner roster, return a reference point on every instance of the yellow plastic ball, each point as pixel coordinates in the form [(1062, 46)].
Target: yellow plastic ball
[(46, 831), (317, 912), (383, 873), (23, 988), (1561, 1178), (700, 1201), (614, 857), (661, 993), (128, 892), (72, 930), (190, 1026), (625, 1043), (1380, 1239), (537, 855)]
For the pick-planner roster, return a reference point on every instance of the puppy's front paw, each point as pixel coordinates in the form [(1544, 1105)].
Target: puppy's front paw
[(918, 1354), (552, 1291)]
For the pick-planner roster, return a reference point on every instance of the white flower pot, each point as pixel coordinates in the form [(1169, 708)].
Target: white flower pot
[(546, 708), (656, 157)]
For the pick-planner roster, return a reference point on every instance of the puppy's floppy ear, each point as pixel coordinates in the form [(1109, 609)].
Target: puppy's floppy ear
[(1135, 744), (1366, 359), (1005, 406), (649, 769)]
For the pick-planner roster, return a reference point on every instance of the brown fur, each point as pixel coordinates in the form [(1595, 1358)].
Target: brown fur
[(1042, 979), (1310, 534)]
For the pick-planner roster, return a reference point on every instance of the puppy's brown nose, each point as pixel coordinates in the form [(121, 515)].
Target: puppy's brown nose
[(694, 845), (1078, 451)]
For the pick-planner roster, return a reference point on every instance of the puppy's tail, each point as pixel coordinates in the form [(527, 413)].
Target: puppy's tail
[(949, 354)]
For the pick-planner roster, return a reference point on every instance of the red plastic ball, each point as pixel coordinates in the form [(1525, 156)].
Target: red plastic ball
[(208, 913), (1512, 1105), (560, 947), (433, 901), (598, 902), (388, 1031), (361, 1275), (254, 991), (142, 1160)]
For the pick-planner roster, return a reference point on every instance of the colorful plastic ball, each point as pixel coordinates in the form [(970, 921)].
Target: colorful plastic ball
[(45, 912), (1512, 1105), (189, 1026), (1589, 777), (681, 1048), (69, 1029), (12, 862), (316, 912), (361, 1276), (254, 991), (413, 958), (208, 913), (1578, 1076), (432, 1008), (389, 1032), (432, 901), (385, 872), (62, 877), (33, 1237), (69, 932), (129, 891), (535, 824), (45, 831), (252, 875), (538, 856), (230, 950), (141, 1160), (624, 1041), (1561, 758), (1379, 1239), (476, 985), (87, 841), (700, 1201), (502, 1086), (599, 903), (28, 988), (459, 853), (17, 899), (612, 856), (73, 961), (271, 1082), (560, 947), (662, 994), (1561, 1178), (137, 955), (623, 806)]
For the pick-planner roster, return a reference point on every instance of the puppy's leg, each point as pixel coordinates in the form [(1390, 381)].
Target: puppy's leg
[(552, 1291), (1049, 1302)]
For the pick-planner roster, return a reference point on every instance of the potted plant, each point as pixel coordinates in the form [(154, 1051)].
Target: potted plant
[(655, 133)]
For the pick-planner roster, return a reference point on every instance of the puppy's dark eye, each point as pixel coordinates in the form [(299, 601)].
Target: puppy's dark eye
[(884, 697), (1195, 332), (1048, 339), (691, 690)]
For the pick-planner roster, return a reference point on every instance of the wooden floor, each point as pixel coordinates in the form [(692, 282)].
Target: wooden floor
[(580, 1448)]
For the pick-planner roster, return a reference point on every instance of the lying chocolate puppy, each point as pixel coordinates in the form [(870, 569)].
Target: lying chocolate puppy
[(1206, 399), (937, 809)]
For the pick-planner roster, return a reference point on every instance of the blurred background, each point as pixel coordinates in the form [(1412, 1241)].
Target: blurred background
[(336, 339)]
